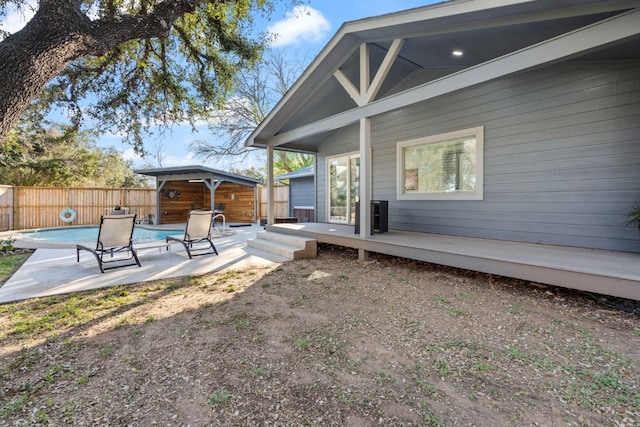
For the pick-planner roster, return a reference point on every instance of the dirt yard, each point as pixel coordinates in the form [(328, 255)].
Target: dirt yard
[(324, 342)]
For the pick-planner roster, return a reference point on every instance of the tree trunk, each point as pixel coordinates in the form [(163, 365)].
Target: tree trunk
[(61, 33)]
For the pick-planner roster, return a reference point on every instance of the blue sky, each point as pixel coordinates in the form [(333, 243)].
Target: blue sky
[(303, 32)]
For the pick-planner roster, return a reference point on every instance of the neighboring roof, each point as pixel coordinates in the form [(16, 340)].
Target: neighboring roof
[(498, 37), (197, 171), (300, 173)]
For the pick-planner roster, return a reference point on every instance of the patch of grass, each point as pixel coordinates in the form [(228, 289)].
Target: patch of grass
[(30, 326), (231, 288), (455, 312), (516, 354), (382, 378), (443, 300), (41, 317), (124, 321), (221, 397), (114, 297), (593, 389), (51, 373), (260, 372), (42, 417), (428, 417), (198, 281), (107, 351), (70, 408), (516, 308), (301, 343), (543, 363), (176, 284), (48, 317), (241, 321), (443, 368), (227, 276), (454, 343), (331, 347), (432, 420), (420, 375), (10, 264), (426, 387), (484, 367), (14, 406)]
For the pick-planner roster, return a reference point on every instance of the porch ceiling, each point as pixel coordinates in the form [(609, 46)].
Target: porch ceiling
[(482, 34)]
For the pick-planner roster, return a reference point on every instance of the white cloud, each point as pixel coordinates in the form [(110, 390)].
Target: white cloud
[(129, 154), (303, 24), (178, 160), (168, 159), (16, 19)]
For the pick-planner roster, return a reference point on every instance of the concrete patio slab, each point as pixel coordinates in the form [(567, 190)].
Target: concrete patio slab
[(55, 271)]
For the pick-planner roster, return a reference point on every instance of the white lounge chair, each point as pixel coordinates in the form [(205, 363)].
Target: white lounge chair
[(114, 238), (197, 235)]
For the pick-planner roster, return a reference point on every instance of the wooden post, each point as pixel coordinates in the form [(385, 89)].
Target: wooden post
[(270, 204)]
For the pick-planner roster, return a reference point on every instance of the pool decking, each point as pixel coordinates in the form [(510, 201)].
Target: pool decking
[(55, 271)]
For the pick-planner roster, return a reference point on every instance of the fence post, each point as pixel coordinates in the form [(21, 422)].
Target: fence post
[(15, 209)]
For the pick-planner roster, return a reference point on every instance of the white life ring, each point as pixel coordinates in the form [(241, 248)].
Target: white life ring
[(68, 215)]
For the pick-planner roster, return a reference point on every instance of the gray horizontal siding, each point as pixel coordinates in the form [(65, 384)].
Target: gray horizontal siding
[(301, 193), (562, 157)]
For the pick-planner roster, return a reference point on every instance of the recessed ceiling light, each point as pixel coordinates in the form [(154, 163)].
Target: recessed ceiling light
[(457, 53)]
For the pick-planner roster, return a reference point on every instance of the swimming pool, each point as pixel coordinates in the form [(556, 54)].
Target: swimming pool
[(90, 234)]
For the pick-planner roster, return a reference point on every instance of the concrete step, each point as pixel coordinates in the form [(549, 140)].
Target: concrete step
[(287, 239), (290, 247)]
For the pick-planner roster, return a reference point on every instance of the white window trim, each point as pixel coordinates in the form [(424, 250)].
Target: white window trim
[(478, 194), (328, 184)]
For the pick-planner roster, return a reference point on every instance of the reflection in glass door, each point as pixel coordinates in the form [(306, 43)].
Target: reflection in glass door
[(354, 181), (344, 185)]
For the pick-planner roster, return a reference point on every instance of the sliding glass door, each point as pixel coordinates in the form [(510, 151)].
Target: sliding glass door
[(344, 184)]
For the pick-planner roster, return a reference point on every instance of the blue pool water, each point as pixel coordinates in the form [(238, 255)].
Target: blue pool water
[(90, 234)]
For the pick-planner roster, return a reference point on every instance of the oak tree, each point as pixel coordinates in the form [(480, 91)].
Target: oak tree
[(127, 65), (61, 157)]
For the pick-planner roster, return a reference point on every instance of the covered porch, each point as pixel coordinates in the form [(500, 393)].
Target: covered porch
[(500, 160), (593, 270)]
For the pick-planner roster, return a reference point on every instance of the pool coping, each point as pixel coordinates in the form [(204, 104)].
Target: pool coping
[(43, 244), (21, 243)]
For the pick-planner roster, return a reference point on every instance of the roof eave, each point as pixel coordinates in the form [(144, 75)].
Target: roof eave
[(345, 41), (196, 169)]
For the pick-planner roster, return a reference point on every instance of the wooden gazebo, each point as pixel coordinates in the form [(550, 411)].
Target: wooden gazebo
[(181, 189)]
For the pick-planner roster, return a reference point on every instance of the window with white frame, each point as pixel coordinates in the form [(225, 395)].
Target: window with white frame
[(441, 167)]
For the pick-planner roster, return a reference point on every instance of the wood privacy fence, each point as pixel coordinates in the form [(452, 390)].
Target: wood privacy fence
[(280, 199), (6, 207), (39, 207)]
